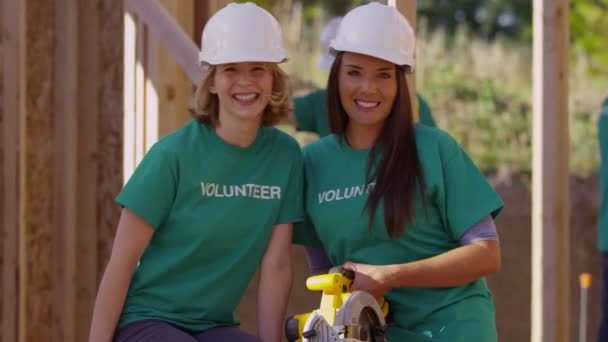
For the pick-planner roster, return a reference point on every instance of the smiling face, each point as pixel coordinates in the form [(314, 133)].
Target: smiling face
[(244, 90), (368, 87)]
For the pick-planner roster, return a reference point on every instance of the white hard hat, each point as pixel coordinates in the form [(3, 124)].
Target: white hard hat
[(327, 35), (242, 33), (379, 31)]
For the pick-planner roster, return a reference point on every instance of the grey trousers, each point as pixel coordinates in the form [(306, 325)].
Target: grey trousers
[(159, 331)]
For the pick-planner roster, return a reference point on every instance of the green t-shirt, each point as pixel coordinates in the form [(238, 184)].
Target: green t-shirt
[(311, 112), (424, 112), (213, 206), (603, 139), (458, 196)]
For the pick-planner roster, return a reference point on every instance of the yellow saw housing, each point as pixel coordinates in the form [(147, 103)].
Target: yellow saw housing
[(335, 286)]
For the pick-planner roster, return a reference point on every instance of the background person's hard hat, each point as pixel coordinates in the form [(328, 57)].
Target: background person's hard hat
[(242, 33), (327, 35), (377, 30)]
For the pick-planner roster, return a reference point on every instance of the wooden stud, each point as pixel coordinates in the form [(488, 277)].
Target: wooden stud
[(13, 72), (150, 90), (130, 60), (86, 233), (550, 195), (169, 32), (36, 231), (65, 122), (140, 91), (408, 9), (174, 85)]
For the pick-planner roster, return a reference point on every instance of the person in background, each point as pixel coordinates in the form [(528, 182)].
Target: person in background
[(211, 204), (399, 203), (603, 218), (310, 111)]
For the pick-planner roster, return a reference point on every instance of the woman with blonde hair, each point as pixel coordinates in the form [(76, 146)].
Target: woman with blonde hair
[(212, 203)]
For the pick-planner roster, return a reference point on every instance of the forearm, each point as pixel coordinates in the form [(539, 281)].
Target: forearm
[(457, 267), (273, 295), (109, 302)]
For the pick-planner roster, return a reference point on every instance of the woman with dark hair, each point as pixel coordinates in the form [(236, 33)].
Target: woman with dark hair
[(401, 204)]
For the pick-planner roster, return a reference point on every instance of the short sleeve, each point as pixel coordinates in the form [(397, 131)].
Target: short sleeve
[(467, 195), (150, 192), (292, 203), (303, 107)]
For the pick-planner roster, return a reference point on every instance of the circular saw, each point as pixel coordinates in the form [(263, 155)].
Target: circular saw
[(343, 316)]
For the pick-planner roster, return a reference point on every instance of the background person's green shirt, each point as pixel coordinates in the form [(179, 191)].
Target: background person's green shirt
[(603, 140), (213, 206), (458, 196), (311, 112)]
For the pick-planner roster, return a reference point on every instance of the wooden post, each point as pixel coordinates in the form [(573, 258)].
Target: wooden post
[(408, 9), (36, 175), (86, 230), (65, 173), (550, 209), (13, 106), (174, 86), (163, 26), (216, 5)]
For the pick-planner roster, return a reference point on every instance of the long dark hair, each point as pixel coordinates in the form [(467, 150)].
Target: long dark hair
[(399, 172)]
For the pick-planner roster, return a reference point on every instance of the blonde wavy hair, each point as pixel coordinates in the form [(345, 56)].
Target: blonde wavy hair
[(205, 106)]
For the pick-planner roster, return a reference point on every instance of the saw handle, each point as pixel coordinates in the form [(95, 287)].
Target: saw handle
[(349, 274)]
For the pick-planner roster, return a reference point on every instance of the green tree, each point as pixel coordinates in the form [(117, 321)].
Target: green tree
[(588, 24)]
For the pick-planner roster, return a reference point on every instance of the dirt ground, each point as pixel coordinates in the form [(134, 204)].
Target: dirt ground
[(511, 287)]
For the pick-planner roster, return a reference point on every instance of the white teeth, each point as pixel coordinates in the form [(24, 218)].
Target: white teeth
[(245, 97), (366, 104)]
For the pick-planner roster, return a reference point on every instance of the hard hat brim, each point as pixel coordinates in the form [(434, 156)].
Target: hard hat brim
[(397, 59), (259, 57)]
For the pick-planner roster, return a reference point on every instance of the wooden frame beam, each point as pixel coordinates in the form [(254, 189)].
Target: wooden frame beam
[(550, 174), (13, 66), (164, 26), (65, 173), (409, 9)]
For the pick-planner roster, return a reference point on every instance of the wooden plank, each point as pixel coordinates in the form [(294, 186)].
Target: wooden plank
[(13, 66), (151, 94), (408, 9), (174, 87), (36, 232), (550, 208), (89, 49), (130, 60), (111, 135), (140, 92), (65, 121), (164, 26), (216, 5)]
